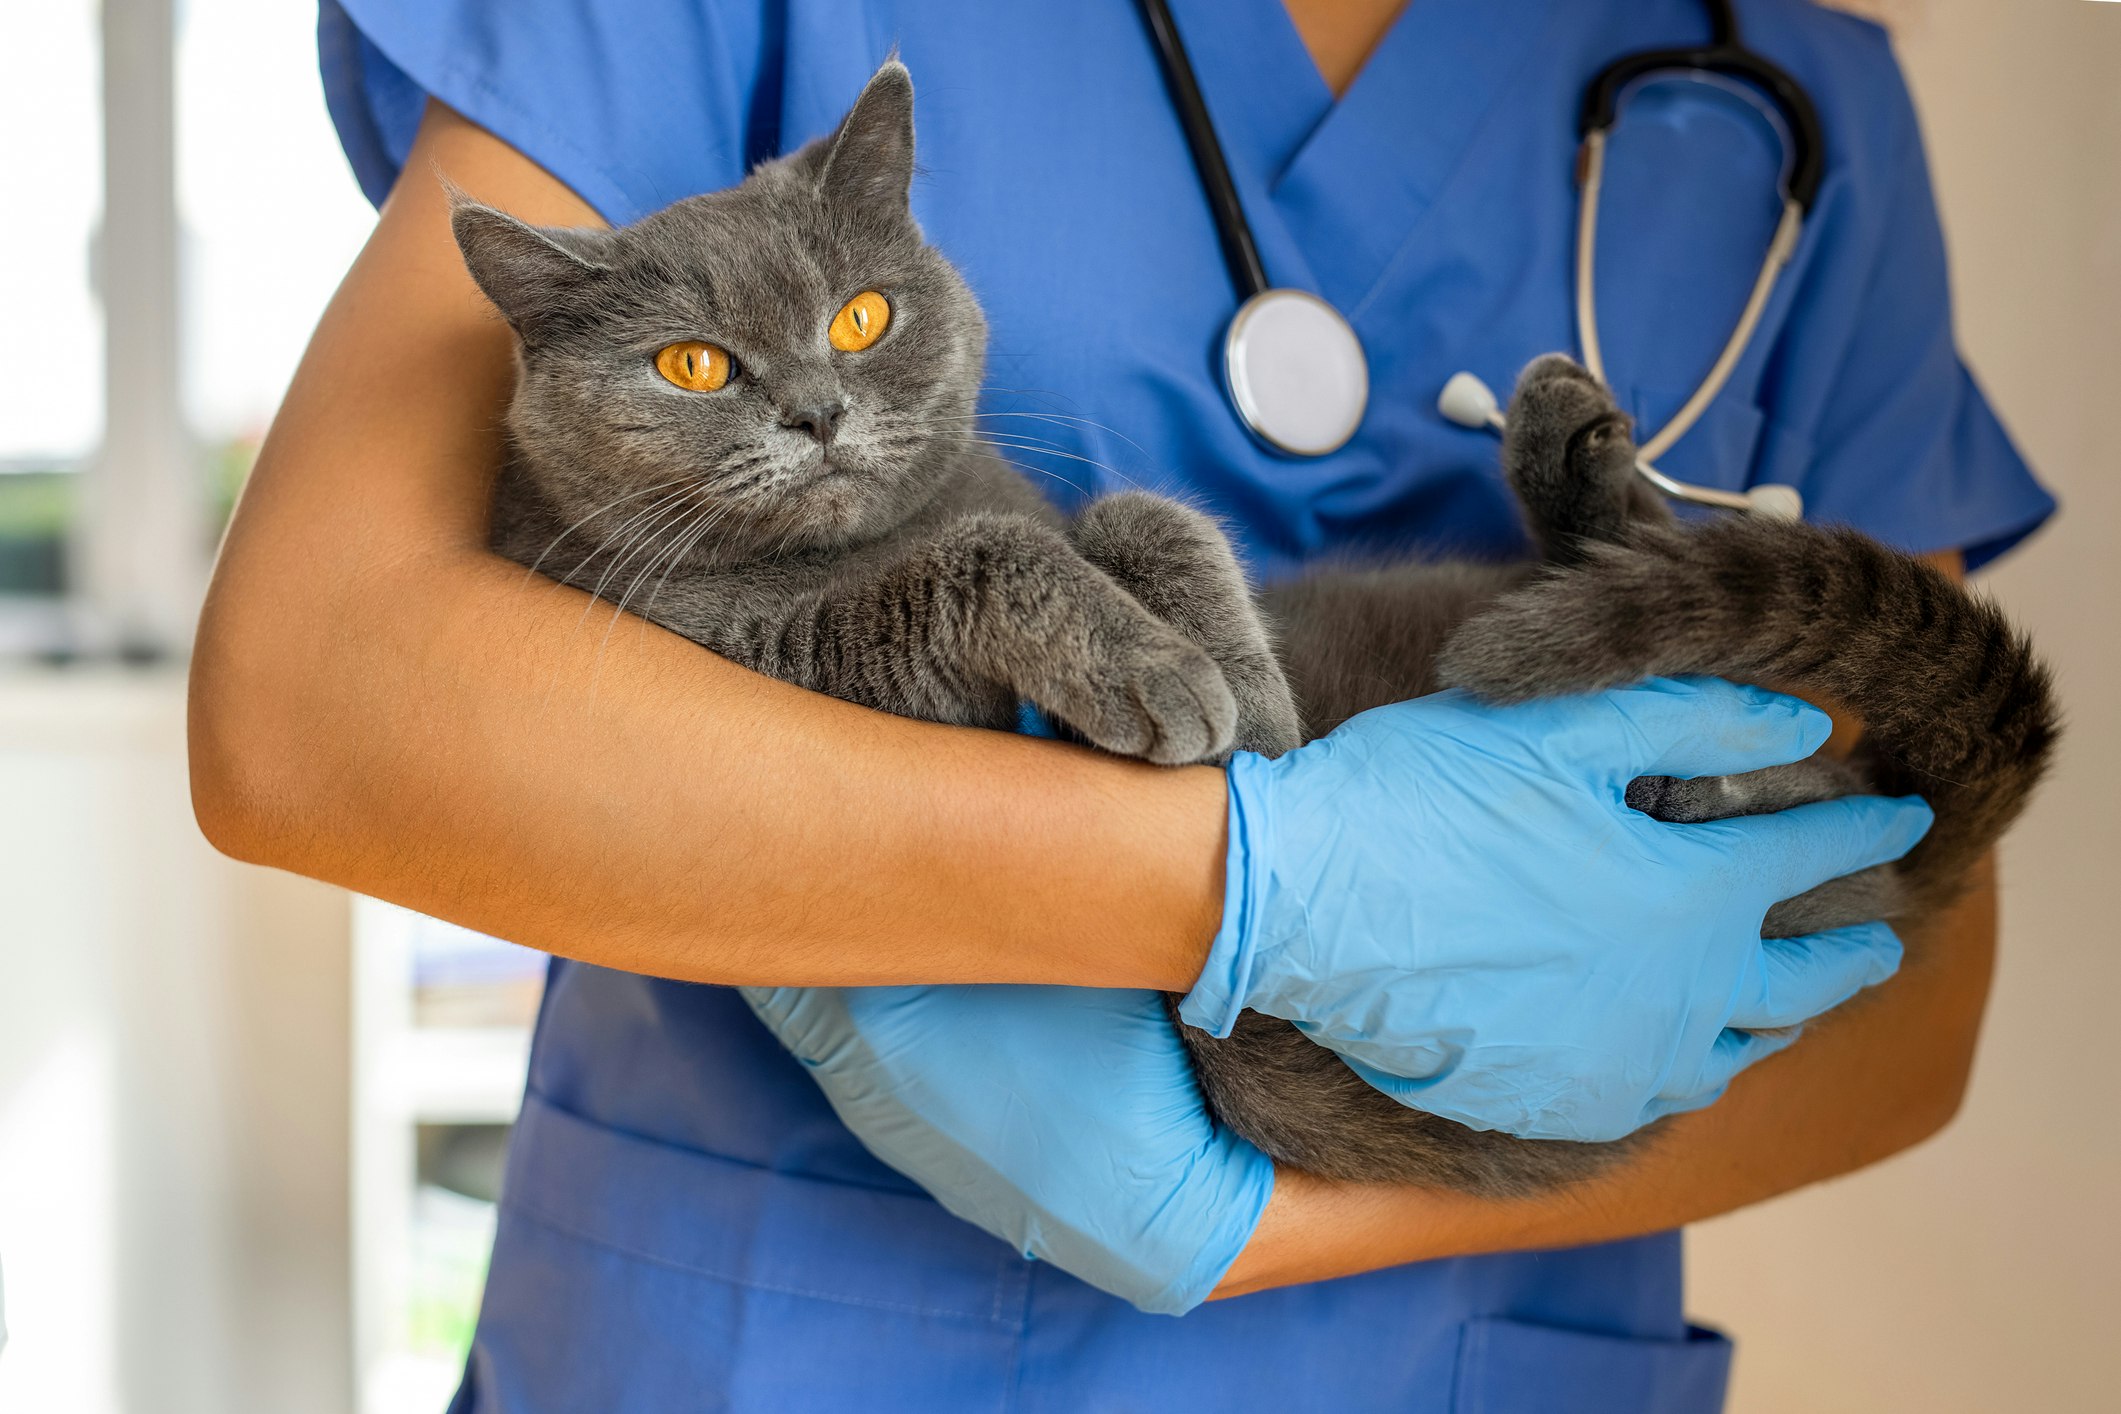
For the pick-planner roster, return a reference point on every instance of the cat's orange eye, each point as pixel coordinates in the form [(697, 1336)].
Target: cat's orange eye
[(695, 365), (860, 322)]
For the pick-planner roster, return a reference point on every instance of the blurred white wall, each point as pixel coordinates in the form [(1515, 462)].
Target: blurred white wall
[(1981, 1274), (174, 1044)]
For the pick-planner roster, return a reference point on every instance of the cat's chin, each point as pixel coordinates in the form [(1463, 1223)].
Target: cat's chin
[(835, 505)]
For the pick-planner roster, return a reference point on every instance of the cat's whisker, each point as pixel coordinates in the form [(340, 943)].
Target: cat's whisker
[(677, 530), (673, 538), (997, 449), (1011, 462), (655, 515), (1042, 447), (632, 526), (648, 532), (1077, 418), (705, 526), (673, 542), (1034, 449), (667, 533), (1068, 420), (604, 542), (554, 544), (1047, 395)]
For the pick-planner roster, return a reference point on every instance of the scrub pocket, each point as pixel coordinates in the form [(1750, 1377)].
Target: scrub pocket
[(1509, 1367), (631, 1274)]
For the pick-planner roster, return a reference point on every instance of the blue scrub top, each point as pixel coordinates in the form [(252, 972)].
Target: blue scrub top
[(685, 1222)]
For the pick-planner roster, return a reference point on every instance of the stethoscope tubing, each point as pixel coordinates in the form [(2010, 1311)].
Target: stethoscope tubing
[(1240, 251), (1780, 248), (1724, 56)]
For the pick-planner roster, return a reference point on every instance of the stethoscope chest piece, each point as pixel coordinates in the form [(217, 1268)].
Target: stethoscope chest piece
[(1296, 372)]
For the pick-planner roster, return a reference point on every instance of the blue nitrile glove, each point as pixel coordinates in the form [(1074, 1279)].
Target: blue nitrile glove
[(1064, 1120), (1457, 898)]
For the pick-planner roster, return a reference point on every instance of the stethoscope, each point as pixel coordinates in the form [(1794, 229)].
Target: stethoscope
[(1292, 364)]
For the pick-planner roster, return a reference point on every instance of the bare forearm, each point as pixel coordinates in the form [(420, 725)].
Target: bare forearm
[(379, 702), (489, 758), (1870, 1080)]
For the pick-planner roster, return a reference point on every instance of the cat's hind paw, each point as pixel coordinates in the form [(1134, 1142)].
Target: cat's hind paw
[(1569, 454)]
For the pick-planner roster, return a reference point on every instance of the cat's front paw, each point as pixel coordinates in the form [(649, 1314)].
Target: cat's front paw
[(1153, 694)]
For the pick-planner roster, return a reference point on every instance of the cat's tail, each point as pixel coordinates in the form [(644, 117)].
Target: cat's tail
[(1955, 706)]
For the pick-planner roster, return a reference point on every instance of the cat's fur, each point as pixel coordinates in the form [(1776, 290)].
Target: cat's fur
[(904, 565), (901, 563)]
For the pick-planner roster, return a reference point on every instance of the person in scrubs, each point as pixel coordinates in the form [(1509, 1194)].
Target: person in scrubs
[(688, 1221)]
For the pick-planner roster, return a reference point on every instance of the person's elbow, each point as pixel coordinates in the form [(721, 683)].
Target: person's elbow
[(1940, 1096), (1961, 957), (231, 795), (1938, 1076), (242, 728), (284, 702)]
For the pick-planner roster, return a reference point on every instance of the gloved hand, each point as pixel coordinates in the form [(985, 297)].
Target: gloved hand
[(1064, 1120), (1457, 898)]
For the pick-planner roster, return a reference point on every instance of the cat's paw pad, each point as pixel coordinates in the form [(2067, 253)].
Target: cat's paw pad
[(1555, 368), (1558, 396), (1155, 696), (1685, 802)]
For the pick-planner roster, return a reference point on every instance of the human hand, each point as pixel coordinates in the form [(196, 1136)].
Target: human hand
[(1457, 899), (1064, 1120)]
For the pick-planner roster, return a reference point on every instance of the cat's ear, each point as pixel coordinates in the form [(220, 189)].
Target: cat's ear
[(869, 161), (528, 273)]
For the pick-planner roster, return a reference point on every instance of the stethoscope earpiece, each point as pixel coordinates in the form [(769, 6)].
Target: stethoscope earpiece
[(1470, 402), (1774, 501)]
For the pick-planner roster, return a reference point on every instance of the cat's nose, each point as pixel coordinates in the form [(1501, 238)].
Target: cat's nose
[(821, 422)]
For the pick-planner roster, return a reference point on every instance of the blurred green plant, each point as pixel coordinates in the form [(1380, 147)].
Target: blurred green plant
[(36, 515), (451, 1237), (38, 504), (228, 465)]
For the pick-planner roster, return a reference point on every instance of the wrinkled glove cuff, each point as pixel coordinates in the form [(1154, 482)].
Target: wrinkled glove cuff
[(1230, 1206), (1225, 981)]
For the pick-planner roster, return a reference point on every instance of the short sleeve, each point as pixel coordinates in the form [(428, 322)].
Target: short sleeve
[(1905, 445), (632, 105)]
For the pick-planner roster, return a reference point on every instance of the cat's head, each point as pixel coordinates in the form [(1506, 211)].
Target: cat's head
[(787, 363)]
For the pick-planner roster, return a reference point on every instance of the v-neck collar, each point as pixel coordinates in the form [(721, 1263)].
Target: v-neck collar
[(1264, 93), (1335, 188)]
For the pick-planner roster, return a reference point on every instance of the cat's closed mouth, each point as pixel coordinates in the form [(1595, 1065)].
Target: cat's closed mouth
[(824, 469)]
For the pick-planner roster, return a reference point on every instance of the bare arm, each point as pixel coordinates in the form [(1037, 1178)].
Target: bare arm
[(380, 702), (1879, 1075)]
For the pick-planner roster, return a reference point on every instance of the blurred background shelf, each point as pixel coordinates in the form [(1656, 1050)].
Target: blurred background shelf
[(457, 1075), (442, 1022)]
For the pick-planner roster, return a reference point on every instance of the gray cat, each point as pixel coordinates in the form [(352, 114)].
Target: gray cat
[(750, 417)]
